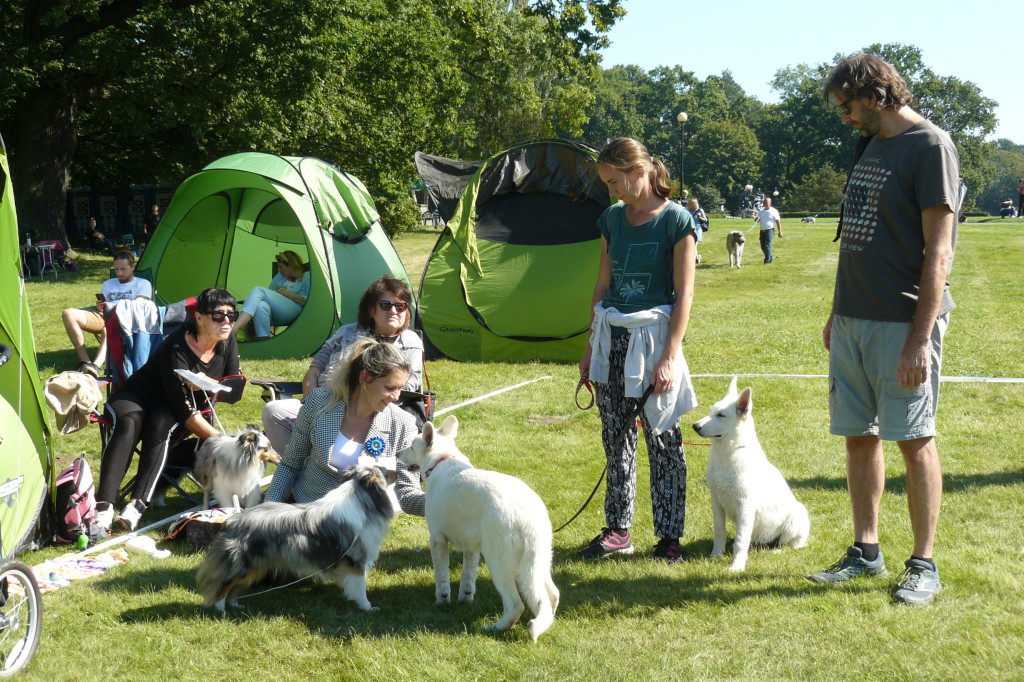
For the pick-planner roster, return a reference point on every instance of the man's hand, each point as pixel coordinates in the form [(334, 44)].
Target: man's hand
[(826, 334), (914, 362)]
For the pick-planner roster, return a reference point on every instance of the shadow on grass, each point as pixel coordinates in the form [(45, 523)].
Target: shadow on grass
[(408, 610), (957, 483)]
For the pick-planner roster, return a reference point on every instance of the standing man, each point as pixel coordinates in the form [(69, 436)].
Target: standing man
[(769, 220), (150, 224), (889, 313), (78, 321)]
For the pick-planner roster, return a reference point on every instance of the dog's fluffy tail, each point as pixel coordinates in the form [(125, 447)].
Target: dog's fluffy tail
[(538, 589), (224, 569)]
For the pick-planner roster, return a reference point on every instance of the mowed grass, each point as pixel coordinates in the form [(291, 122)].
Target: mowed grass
[(627, 617)]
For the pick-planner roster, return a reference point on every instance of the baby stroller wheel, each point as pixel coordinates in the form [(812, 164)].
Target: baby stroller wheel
[(21, 617)]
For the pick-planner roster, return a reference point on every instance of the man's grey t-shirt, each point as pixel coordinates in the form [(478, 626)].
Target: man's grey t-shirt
[(881, 254)]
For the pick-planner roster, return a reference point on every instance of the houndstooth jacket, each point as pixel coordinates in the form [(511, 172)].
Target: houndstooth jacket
[(305, 472)]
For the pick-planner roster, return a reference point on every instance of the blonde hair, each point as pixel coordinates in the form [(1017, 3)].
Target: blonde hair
[(626, 155), (377, 358), (293, 261), (694, 204)]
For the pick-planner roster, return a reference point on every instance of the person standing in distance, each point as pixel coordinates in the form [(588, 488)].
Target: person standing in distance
[(890, 311), (770, 221)]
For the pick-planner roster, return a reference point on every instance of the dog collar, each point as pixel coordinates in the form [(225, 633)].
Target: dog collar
[(426, 474)]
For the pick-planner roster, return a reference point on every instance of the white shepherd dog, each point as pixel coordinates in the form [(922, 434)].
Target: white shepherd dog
[(745, 487), (485, 512)]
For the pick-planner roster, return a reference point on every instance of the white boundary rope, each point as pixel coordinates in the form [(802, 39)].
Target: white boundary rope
[(954, 380), (485, 396)]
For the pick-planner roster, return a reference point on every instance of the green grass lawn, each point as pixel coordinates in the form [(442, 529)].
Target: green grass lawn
[(631, 616)]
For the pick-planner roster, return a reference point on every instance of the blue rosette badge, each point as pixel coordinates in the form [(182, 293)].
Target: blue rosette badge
[(375, 446)]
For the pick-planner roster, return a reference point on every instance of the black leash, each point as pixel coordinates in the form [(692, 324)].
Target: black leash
[(618, 443)]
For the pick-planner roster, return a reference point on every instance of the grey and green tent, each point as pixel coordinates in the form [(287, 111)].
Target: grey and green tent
[(512, 275), (225, 224), (26, 466)]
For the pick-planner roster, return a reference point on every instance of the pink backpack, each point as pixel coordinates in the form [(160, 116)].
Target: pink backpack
[(75, 503)]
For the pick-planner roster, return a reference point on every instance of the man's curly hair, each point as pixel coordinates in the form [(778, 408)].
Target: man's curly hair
[(862, 75)]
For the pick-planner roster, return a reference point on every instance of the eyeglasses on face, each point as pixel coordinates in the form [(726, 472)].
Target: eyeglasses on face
[(386, 305), (843, 107), (220, 316)]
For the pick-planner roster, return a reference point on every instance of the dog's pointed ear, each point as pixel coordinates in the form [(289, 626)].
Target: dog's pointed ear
[(744, 402), (732, 388), (428, 434), (450, 427)]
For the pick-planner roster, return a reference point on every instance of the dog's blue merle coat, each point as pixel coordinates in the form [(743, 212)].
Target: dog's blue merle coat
[(668, 461), (301, 539)]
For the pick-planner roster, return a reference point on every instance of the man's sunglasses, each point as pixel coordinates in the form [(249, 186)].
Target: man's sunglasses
[(386, 305), (220, 316)]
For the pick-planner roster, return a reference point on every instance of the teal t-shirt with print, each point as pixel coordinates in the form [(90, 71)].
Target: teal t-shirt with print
[(641, 256)]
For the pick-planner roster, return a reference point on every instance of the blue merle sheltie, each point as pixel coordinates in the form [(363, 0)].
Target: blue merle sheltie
[(335, 538)]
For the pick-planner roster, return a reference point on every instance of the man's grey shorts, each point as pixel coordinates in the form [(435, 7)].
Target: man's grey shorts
[(864, 396)]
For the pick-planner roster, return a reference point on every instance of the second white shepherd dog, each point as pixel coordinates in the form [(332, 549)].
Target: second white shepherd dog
[(745, 487), (484, 512)]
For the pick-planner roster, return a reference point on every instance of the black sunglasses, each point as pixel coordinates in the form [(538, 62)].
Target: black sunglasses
[(220, 315), (386, 305)]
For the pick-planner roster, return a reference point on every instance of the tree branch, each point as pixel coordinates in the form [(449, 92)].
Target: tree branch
[(80, 27)]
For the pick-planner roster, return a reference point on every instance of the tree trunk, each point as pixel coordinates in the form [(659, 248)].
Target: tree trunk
[(41, 162)]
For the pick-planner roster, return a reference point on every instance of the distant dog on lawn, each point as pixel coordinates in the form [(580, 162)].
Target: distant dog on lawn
[(484, 512), (233, 465), (734, 242), (339, 536), (745, 487), (809, 219)]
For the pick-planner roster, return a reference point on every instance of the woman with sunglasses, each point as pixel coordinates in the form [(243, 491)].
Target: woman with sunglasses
[(384, 314), (155, 398), (281, 302)]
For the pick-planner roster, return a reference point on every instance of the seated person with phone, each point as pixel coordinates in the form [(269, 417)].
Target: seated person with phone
[(78, 321)]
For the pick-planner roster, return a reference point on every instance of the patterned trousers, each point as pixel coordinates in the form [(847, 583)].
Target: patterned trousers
[(667, 459)]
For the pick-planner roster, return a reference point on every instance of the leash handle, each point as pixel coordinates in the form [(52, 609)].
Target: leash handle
[(584, 381)]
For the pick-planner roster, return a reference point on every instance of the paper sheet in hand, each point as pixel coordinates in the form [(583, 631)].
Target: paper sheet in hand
[(201, 382)]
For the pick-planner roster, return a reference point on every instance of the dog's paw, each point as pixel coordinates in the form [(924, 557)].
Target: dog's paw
[(466, 597), (718, 551), (442, 600), (738, 567)]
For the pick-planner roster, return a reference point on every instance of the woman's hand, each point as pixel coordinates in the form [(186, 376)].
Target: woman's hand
[(585, 364), (663, 375)]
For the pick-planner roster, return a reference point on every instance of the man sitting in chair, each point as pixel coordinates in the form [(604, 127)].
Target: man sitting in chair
[(77, 321)]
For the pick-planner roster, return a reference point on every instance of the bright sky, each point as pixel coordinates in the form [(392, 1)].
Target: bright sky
[(973, 41)]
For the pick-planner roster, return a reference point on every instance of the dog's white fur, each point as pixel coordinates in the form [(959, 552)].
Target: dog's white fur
[(337, 538), (734, 242), (228, 466), (745, 487), (489, 513), (809, 219)]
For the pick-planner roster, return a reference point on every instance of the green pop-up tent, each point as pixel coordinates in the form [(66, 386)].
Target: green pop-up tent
[(26, 466), (225, 224), (512, 275)]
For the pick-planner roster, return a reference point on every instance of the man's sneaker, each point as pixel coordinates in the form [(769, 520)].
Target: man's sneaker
[(853, 565), (918, 584), (668, 549), (89, 368), (130, 516), (104, 515), (607, 543)]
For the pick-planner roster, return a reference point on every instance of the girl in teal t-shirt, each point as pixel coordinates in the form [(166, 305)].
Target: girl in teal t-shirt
[(648, 261)]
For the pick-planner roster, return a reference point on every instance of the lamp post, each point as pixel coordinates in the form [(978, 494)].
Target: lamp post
[(681, 117)]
